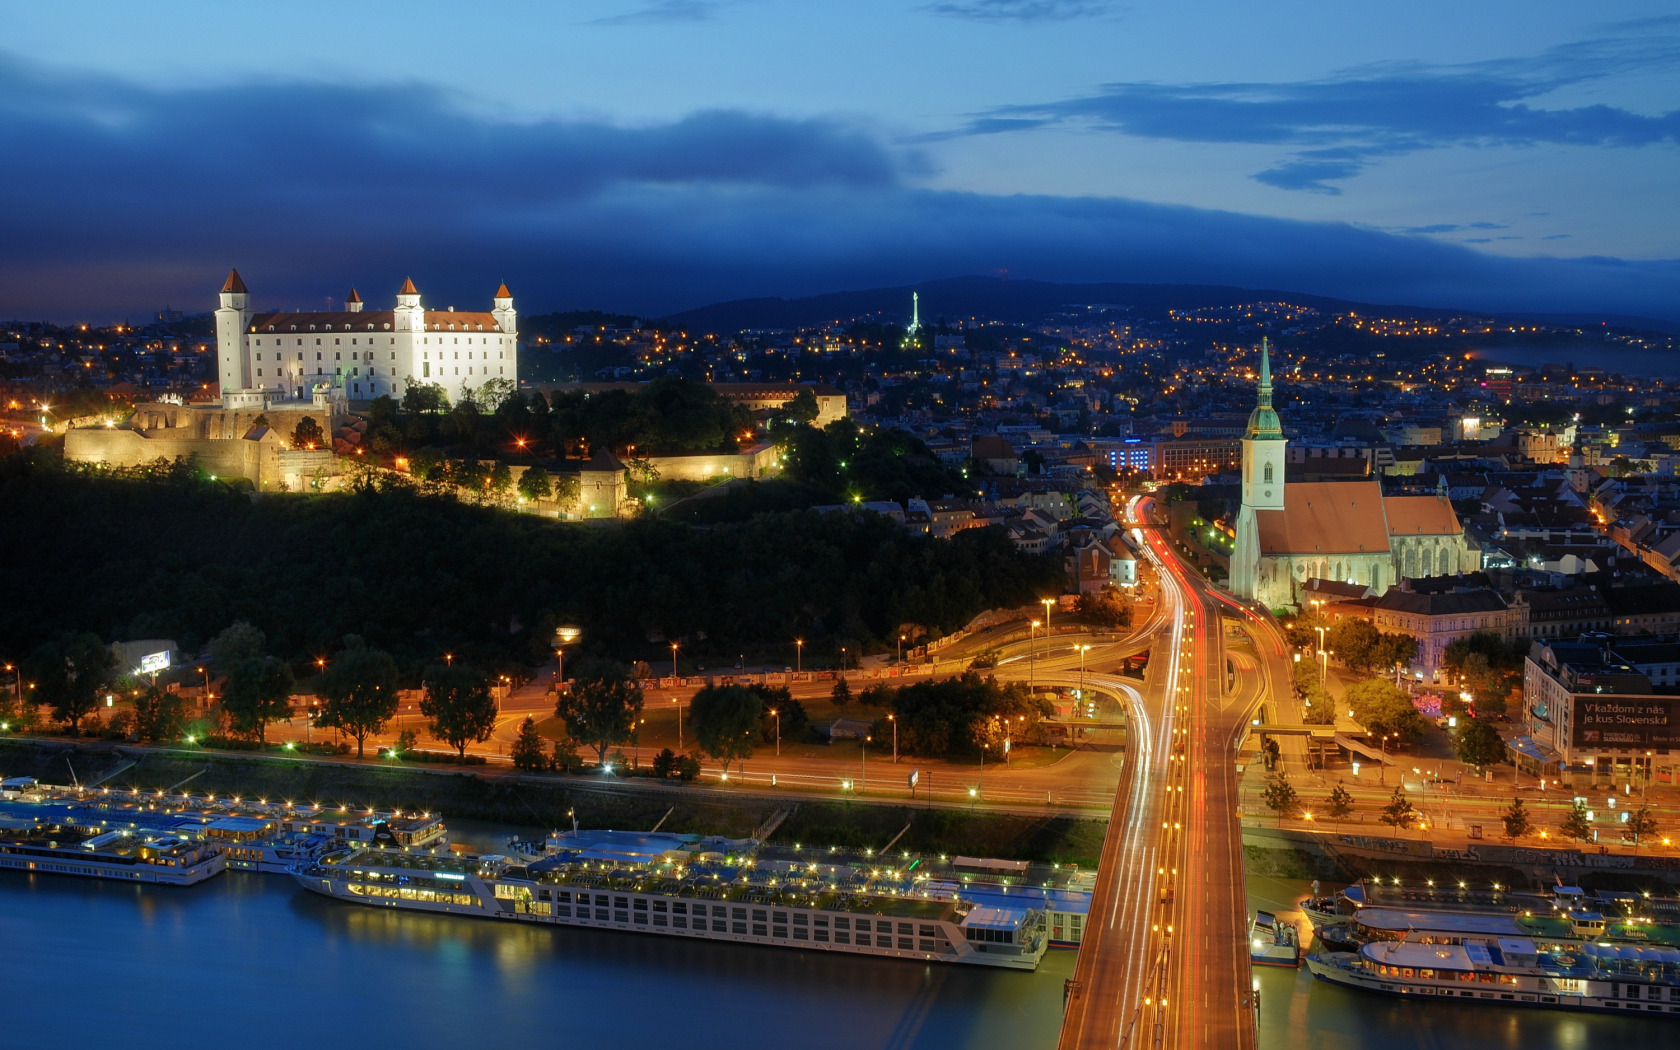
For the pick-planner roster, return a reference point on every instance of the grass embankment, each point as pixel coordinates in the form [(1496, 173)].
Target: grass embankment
[(545, 802)]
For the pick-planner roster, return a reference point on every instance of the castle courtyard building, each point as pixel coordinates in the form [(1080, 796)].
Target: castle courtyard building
[(360, 354)]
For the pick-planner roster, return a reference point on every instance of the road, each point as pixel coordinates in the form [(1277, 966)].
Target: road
[(1165, 959)]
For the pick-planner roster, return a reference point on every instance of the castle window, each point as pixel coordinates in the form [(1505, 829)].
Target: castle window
[(1268, 473), (336, 342), (317, 342)]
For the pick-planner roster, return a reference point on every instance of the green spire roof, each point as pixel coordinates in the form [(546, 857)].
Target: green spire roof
[(1263, 422)]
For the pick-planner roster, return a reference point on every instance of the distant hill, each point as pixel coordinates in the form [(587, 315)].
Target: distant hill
[(1028, 302)]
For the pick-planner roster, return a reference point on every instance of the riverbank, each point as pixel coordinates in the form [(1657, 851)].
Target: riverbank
[(547, 801)]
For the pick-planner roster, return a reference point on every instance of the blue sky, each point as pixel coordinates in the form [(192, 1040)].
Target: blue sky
[(650, 155)]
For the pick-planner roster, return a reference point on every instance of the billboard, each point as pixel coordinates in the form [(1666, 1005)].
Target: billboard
[(152, 663), (1627, 722)]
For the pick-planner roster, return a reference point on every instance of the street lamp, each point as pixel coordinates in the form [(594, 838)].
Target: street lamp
[(901, 648), (775, 711), (894, 720), (1047, 603), (564, 635), (799, 656), (1382, 767), (678, 701), (863, 778), (673, 659), (1082, 651), (1032, 658)]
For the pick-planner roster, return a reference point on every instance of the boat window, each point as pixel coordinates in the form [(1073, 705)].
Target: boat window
[(679, 907), (822, 920), (641, 904), (659, 905), (842, 924)]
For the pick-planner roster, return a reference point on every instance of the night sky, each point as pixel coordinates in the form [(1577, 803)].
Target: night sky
[(653, 155)]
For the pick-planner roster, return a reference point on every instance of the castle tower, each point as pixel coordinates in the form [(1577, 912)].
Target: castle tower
[(409, 316), (353, 303), (233, 318), (503, 311), (1263, 448)]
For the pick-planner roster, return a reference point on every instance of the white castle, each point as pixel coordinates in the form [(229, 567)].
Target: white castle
[(359, 354)]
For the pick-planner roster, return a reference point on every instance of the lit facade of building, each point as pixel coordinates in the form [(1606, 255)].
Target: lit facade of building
[(361, 354)]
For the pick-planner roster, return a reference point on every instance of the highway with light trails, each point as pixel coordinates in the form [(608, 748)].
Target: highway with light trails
[(1165, 960)]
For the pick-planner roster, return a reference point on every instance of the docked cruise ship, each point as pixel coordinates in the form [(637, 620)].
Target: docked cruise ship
[(1512, 972), (59, 849), (248, 834), (676, 887)]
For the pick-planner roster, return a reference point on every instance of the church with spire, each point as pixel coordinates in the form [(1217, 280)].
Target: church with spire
[(1288, 533), (355, 354)]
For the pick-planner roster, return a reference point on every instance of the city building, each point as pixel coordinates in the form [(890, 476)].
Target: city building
[(1439, 617), (1603, 708), (1290, 532), (264, 358)]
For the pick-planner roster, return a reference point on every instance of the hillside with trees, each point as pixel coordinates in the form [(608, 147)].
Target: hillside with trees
[(177, 555)]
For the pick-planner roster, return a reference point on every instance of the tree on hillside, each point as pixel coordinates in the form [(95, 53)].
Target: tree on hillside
[(458, 705), (534, 485), (803, 408), (1516, 820), (67, 674), (793, 717), (527, 752), (257, 691), (841, 694), (1107, 607), (726, 721), (427, 398), (1478, 743), (308, 434), (1399, 813), (601, 708), (238, 643), (1382, 707), (159, 714), (359, 691)]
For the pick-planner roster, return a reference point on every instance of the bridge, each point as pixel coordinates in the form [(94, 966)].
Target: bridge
[(1165, 959)]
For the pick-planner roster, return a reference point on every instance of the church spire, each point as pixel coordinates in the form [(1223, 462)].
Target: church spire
[(1263, 422)]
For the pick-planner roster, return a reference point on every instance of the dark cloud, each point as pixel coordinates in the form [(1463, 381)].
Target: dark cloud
[(125, 199), (1337, 126), (1023, 10), (665, 11)]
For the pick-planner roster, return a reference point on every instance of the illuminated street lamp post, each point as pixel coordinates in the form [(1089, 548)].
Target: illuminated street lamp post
[(678, 701), (799, 656), (777, 713), (894, 720), (1082, 651), (564, 635), (901, 648), (863, 777), (1032, 657), (673, 659)]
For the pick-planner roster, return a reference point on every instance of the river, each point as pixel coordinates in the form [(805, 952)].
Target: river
[(252, 961)]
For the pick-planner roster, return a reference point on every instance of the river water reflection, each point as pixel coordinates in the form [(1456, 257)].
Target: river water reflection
[(252, 961)]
